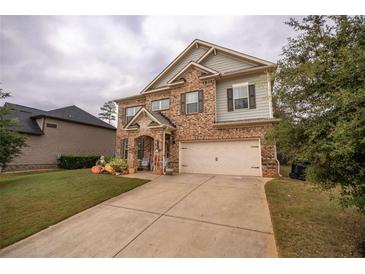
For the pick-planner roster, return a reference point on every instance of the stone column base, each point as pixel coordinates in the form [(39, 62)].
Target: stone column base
[(131, 170), (157, 172)]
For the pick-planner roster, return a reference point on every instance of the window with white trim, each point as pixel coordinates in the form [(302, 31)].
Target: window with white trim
[(124, 149), (130, 112), (192, 102), (160, 104), (240, 96)]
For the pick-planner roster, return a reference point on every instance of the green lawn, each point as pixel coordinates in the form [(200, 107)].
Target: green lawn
[(308, 223), (30, 202)]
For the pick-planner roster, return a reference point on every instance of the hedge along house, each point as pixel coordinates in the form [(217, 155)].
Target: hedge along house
[(208, 111), (68, 131)]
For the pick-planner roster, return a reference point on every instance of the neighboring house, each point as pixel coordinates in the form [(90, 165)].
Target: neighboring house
[(68, 130), (207, 112)]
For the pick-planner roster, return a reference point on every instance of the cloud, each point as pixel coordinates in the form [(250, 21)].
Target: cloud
[(55, 61)]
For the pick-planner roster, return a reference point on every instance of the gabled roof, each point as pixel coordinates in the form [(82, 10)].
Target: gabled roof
[(213, 48), (244, 56), (27, 117), (196, 65), (76, 114), (24, 114), (157, 119)]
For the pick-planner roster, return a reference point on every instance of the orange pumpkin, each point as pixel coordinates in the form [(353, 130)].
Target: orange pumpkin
[(96, 169)]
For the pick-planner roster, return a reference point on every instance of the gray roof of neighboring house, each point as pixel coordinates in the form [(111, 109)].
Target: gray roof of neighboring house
[(23, 114), (76, 114), (27, 117)]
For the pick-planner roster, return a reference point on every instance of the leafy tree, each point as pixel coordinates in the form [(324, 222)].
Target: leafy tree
[(108, 112), (11, 142), (320, 94), (4, 94)]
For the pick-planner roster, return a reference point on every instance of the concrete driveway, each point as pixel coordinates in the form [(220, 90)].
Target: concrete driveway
[(188, 215)]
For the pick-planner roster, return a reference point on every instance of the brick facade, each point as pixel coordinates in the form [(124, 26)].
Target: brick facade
[(197, 126), (133, 136)]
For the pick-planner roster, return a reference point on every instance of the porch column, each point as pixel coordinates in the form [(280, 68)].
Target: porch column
[(132, 156), (160, 140)]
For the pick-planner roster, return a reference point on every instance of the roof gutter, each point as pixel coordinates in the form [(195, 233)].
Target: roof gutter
[(28, 132), (245, 123), (71, 121), (247, 71), (128, 98)]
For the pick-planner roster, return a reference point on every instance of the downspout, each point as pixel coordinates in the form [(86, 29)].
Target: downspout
[(277, 161), (163, 151), (269, 87), (269, 90)]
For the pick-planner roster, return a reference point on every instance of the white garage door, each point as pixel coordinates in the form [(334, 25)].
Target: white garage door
[(221, 157)]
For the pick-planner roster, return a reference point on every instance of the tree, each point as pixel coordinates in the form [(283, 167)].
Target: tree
[(108, 112), (4, 94), (320, 93), (11, 142)]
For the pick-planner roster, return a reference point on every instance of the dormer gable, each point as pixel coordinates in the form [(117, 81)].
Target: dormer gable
[(148, 119), (214, 60)]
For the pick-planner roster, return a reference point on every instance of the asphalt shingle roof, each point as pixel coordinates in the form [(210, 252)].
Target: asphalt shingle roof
[(163, 119), (76, 114), (26, 116)]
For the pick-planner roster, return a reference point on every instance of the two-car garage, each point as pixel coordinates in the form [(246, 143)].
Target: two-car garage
[(239, 157)]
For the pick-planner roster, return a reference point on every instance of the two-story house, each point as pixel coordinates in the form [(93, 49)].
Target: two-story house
[(207, 112), (62, 131)]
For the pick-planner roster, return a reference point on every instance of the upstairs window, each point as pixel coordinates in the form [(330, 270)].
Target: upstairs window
[(192, 102), (240, 96), (130, 112), (160, 104)]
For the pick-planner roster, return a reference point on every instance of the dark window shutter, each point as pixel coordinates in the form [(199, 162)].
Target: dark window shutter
[(252, 95), (230, 99), (201, 101), (183, 107), (123, 116)]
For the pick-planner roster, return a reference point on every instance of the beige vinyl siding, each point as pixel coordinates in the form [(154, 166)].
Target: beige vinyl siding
[(262, 109), (224, 63), (69, 139), (193, 55)]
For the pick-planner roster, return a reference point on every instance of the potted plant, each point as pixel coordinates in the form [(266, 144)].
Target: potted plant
[(169, 169)]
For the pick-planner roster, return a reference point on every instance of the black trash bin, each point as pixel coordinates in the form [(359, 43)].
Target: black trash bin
[(298, 170)]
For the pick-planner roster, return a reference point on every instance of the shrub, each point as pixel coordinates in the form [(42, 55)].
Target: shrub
[(119, 165), (75, 162), (108, 159)]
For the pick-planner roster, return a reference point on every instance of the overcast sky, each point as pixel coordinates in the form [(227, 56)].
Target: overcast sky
[(48, 62)]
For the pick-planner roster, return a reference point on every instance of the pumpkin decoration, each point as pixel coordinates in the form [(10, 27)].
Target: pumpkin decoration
[(96, 169), (108, 168)]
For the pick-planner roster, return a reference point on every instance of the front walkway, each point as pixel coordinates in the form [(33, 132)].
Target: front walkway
[(189, 215), (147, 175)]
